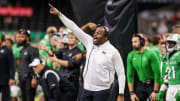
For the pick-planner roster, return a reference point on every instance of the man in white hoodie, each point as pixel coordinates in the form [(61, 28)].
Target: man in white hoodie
[(102, 61)]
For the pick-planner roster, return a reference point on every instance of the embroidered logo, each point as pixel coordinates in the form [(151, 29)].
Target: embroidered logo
[(2, 51), (144, 58), (25, 53), (70, 54), (103, 52)]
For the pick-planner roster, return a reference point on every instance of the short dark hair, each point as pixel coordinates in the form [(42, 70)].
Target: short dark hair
[(156, 39), (176, 29), (11, 41)]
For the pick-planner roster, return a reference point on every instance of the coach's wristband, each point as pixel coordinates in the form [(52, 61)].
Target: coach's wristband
[(132, 92), (155, 91), (121, 94), (59, 14)]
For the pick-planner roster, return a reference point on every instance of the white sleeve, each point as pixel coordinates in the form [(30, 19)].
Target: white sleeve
[(119, 68), (82, 36)]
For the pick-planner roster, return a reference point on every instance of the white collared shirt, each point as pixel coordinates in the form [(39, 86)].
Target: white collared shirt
[(101, 61)]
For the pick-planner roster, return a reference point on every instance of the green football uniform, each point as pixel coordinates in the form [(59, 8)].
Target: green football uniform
[(173, 68), (163, 68)]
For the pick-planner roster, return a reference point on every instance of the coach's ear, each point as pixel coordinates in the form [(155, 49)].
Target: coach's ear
[(53, 10)]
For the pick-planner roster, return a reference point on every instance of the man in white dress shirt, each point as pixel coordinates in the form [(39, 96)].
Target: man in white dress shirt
[(102, 61)]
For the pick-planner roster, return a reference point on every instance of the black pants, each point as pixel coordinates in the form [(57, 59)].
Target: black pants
[(143, 91), (95, 95), (4, 89), (69, 89), (28, 93)]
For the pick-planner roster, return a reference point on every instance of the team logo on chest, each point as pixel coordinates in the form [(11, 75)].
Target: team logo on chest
[(25, 53), (2, 51), (103, 52), (70, 54), (144, 58), (64, 54)]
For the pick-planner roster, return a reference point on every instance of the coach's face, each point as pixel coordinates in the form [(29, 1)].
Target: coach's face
[(136, 43), (22, 39), (99, 37)]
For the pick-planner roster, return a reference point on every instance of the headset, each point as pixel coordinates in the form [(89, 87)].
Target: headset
[(106, 33), (25, 31), (142, 41)]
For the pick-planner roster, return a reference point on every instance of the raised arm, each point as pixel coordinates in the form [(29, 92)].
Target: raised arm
[(90, 25), (82, 36)]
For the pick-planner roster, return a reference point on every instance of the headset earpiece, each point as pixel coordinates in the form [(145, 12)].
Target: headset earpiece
[(106, 33), (142, 41)]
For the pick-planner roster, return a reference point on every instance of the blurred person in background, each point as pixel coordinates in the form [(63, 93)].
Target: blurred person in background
[(54, 45), (154, 27), (176, 17), (9, 42), (162, 29), (156, 44), (60, 44), (161, 94), (176, 29), (7, 66), (61, 31), (27, 78), (54, 42), (46, 43), (69, 60), (15, 89), (146, 63)]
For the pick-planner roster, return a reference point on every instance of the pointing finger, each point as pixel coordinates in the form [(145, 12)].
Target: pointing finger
[(50, 5)]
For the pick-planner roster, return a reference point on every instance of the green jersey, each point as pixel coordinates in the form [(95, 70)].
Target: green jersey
[(173, 68), (16, 50), (146, 65), (162, 68), (43, 53), (156, 49)]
